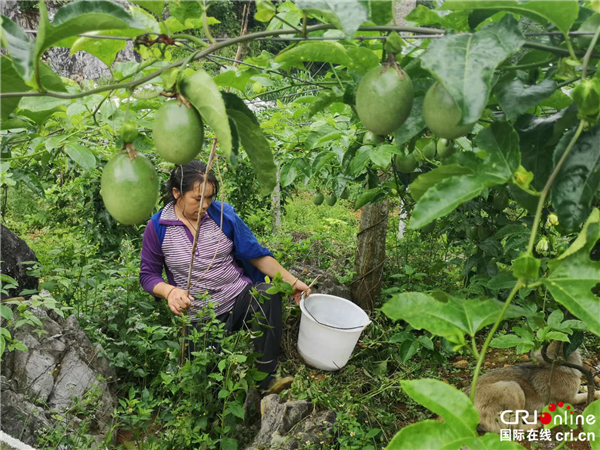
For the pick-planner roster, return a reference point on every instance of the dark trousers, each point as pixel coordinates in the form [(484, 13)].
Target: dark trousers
[(264, 317)]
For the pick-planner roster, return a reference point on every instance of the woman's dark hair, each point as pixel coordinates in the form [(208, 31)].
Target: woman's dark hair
[(184, 178)]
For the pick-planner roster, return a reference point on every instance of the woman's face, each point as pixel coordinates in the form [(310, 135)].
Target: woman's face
[(189, 203)]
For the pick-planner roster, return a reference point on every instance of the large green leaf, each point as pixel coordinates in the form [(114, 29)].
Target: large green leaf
[(363, 59), (429, 434), (39, 109), (451, 319), (562, 13), (380, 11), (320, 51), (346, 15), (578, 179), (431, 178), (593, 409), (105, 50), (202, 92), (10, 81), (235, 78), (446, 401), (232, 101), (80, 17), (323, 100), (500, 144), (414, 124), (573, 275), (21, 49), (185, 9), (258, 150), (154, 6), (516, 96), (538, 137), (81, 155), (382, 154), (465, 63)]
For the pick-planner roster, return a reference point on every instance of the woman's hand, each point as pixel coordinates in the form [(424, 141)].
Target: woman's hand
[(179, 300), (300, 287)]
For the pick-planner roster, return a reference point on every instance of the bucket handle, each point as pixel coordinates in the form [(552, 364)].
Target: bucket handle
[(325, 324)]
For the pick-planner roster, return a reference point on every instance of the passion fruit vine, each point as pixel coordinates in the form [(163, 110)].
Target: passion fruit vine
[(442, 115), (384, 98), (129, 187), (178, 132)]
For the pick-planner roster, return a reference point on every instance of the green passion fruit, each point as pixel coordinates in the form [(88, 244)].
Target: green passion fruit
[(318, 198), (429, 151), (405, 163), (345, 194), (384, 98), (178, 132), (331, 199), (128, 132), (445, 149), (129, 188), (371, 138), (442, 115)]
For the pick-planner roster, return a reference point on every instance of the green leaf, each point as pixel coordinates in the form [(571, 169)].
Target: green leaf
[(452, 319), (105, 50), (78, 18), (229, 444), (464, 63), (506, 341), (258, 150), (21, 49), (538, 138), (39, 109), (555, 318), (235, 78), (593, 409), (30, 180), (578, 180), (156, 7), (526, 266), (235, 409), (185, 9), (561, 14), (81, 155), (422, 15), (516, 97), (232, 101), (363, 59), (490, 441), (415, 123), (265, 10), (423, 182), (557, 336), (320, 51), (172, 25), (453, 406), (380, 12), (346, 16), (500, 143), (367, 197), (429, 434), (573, 275), (202, 92), (382, 155), (323, 100), (502, 281), (10, 81), (321, 159), (6, 312)]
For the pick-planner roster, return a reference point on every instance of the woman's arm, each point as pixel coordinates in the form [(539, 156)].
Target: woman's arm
[(269, 266)]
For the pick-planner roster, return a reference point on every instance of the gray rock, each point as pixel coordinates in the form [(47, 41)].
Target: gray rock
[(326, 284), (289, 425), (15, 252), (60, 367)]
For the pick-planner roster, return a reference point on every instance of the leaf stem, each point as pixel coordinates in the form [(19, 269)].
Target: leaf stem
[(546, 190), (588, 54), (570, 47), (486, 344), (189, 37), (529, 66), (336, 76), (205, 26)]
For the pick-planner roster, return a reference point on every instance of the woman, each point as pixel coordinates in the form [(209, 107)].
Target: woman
[(229, 262)]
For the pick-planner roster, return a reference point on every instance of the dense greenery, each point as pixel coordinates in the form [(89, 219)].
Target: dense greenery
[(501, 248)]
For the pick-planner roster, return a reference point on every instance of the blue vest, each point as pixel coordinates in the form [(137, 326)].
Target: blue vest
[(245, 244)]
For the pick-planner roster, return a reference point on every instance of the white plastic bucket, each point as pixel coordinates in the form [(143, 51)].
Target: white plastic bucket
[(329, 330)]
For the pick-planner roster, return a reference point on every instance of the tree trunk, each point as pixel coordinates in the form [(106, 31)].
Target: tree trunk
[(370, 255), (276, 202)]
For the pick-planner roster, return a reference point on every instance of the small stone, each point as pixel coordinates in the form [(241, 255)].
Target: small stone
[(487, 364), (462, 364), (524, 357)]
